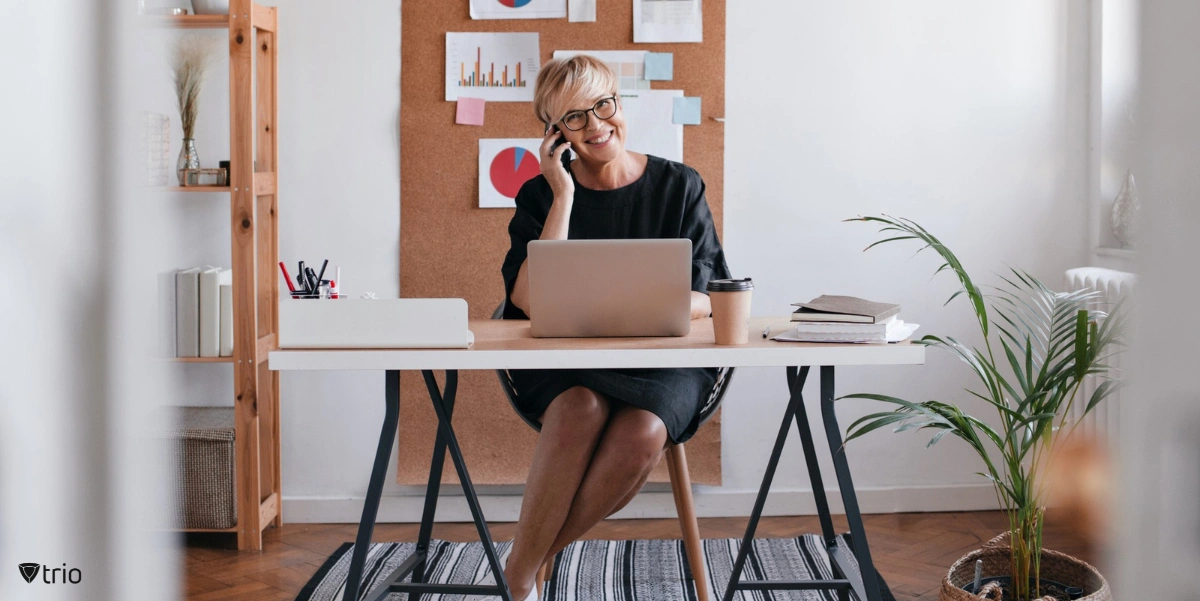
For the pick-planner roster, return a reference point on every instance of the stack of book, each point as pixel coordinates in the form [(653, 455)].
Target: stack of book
[(847, 319), (196, 312)]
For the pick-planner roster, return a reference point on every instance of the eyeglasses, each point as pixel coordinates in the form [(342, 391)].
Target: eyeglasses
[(604, 109)]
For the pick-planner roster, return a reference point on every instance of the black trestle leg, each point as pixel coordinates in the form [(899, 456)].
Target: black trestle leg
[(446, 432), (814, 475), (434, 485), (748, 540), (383, 454), (868, 589), (810, 458)]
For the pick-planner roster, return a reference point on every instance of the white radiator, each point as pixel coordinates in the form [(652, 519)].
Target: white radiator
[(1105, 420)]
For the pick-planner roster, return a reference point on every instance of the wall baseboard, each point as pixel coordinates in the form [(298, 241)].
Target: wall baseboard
[(709, 503)]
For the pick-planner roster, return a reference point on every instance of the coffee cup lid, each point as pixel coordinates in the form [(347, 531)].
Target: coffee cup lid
[(730, 285)]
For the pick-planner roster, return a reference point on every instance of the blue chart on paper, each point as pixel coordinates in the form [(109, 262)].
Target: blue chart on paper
[(515, 3)]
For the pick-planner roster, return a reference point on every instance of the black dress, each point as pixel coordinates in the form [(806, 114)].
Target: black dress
[(667, 201)]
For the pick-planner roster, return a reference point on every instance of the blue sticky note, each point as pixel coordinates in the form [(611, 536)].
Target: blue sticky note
[(660, 66), (687, 110)]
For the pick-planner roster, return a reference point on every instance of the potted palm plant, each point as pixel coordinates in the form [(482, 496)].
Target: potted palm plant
[(1048, 343)]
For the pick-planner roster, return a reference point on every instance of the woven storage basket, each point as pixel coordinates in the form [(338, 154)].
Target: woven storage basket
[(997, 561), (200, 454)]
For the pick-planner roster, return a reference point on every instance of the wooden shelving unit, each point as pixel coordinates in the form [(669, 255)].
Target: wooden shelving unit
[(188, 21), (198, 189), (254, 229), (203, 360)]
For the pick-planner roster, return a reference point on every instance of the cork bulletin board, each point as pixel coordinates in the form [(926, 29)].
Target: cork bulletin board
[(451, 248)]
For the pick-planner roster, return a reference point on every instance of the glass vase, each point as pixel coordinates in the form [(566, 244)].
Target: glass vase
[(188, 159), (1124, 213)]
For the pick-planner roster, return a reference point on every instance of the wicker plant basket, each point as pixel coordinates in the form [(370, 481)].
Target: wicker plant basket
[(997, 561)]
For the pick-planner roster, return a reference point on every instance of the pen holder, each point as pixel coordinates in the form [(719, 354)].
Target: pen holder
[(374, 323)]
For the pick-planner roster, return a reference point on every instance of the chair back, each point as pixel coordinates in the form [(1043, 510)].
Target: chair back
[(510, 392), (711, 404)]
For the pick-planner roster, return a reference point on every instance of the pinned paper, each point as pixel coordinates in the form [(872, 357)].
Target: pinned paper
[(504, 166), (581, 11), (687, 110), (648, 112), (667, 21), (518, 9), (660, 66), (629, 65), (498, 67), (470, 111)]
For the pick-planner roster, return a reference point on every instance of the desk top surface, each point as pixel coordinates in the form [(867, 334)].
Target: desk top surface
[(503, 344)]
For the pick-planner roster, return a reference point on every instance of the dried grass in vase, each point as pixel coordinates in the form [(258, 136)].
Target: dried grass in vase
[(191, 57)]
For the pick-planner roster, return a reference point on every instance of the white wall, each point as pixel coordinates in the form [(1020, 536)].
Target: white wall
[(1113, 100), (967, 117), (339, 108), (970, 118)]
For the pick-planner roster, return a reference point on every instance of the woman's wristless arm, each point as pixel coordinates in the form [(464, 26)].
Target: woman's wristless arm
[(555, 228), (558, 220)]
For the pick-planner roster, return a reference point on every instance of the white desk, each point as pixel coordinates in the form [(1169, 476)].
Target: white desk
[(507, 345)]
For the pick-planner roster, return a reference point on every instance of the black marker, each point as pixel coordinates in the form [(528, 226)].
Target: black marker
[(322, 274)]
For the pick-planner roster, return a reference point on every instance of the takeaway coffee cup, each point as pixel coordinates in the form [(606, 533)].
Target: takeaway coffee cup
[(731, 310)]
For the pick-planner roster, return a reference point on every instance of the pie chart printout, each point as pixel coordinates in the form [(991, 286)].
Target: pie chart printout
[(520, 9), (513, 166)]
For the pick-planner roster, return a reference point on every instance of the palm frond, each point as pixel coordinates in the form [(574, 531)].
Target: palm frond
[(912, 230), (1103, 391)]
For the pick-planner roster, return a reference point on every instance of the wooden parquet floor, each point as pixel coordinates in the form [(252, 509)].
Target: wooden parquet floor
[(911, 550)]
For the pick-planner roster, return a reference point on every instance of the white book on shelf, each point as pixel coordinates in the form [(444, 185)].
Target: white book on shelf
[(166, 314), (226, 313), (187, 313), (210, 312)]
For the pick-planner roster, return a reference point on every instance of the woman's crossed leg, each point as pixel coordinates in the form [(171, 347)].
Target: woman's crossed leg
[(591, 459)]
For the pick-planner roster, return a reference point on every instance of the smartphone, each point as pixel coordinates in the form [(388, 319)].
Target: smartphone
[(562, 139)]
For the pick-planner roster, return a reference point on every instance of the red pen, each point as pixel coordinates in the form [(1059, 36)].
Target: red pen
[(287, 278)]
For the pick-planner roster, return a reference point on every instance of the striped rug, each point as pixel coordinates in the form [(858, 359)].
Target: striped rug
[(600, 570)]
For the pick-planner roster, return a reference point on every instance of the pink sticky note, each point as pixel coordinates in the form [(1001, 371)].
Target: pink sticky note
[(470, 111)]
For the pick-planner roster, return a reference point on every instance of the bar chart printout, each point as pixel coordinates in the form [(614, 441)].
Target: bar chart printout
[(499, 67), (478, 79)]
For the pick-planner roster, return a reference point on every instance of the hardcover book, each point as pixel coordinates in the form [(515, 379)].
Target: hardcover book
[(847, 309)]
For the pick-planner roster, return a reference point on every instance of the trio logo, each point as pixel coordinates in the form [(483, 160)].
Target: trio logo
[(29, 571)]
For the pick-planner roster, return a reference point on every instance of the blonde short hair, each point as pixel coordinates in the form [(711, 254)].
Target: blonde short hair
[(562, 82)]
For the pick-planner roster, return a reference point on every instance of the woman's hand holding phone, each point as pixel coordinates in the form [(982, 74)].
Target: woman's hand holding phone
[(552, 151)]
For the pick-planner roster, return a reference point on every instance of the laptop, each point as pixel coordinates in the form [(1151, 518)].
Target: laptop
[(596, 288)]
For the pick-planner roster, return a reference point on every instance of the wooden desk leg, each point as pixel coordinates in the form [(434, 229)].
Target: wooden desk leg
[(383, 455), (858, 534)]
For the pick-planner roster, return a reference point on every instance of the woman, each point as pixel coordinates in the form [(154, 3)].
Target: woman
[(602, 431)]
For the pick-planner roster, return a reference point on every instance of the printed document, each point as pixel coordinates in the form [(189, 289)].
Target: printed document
[(581, 11), (667, 21)]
